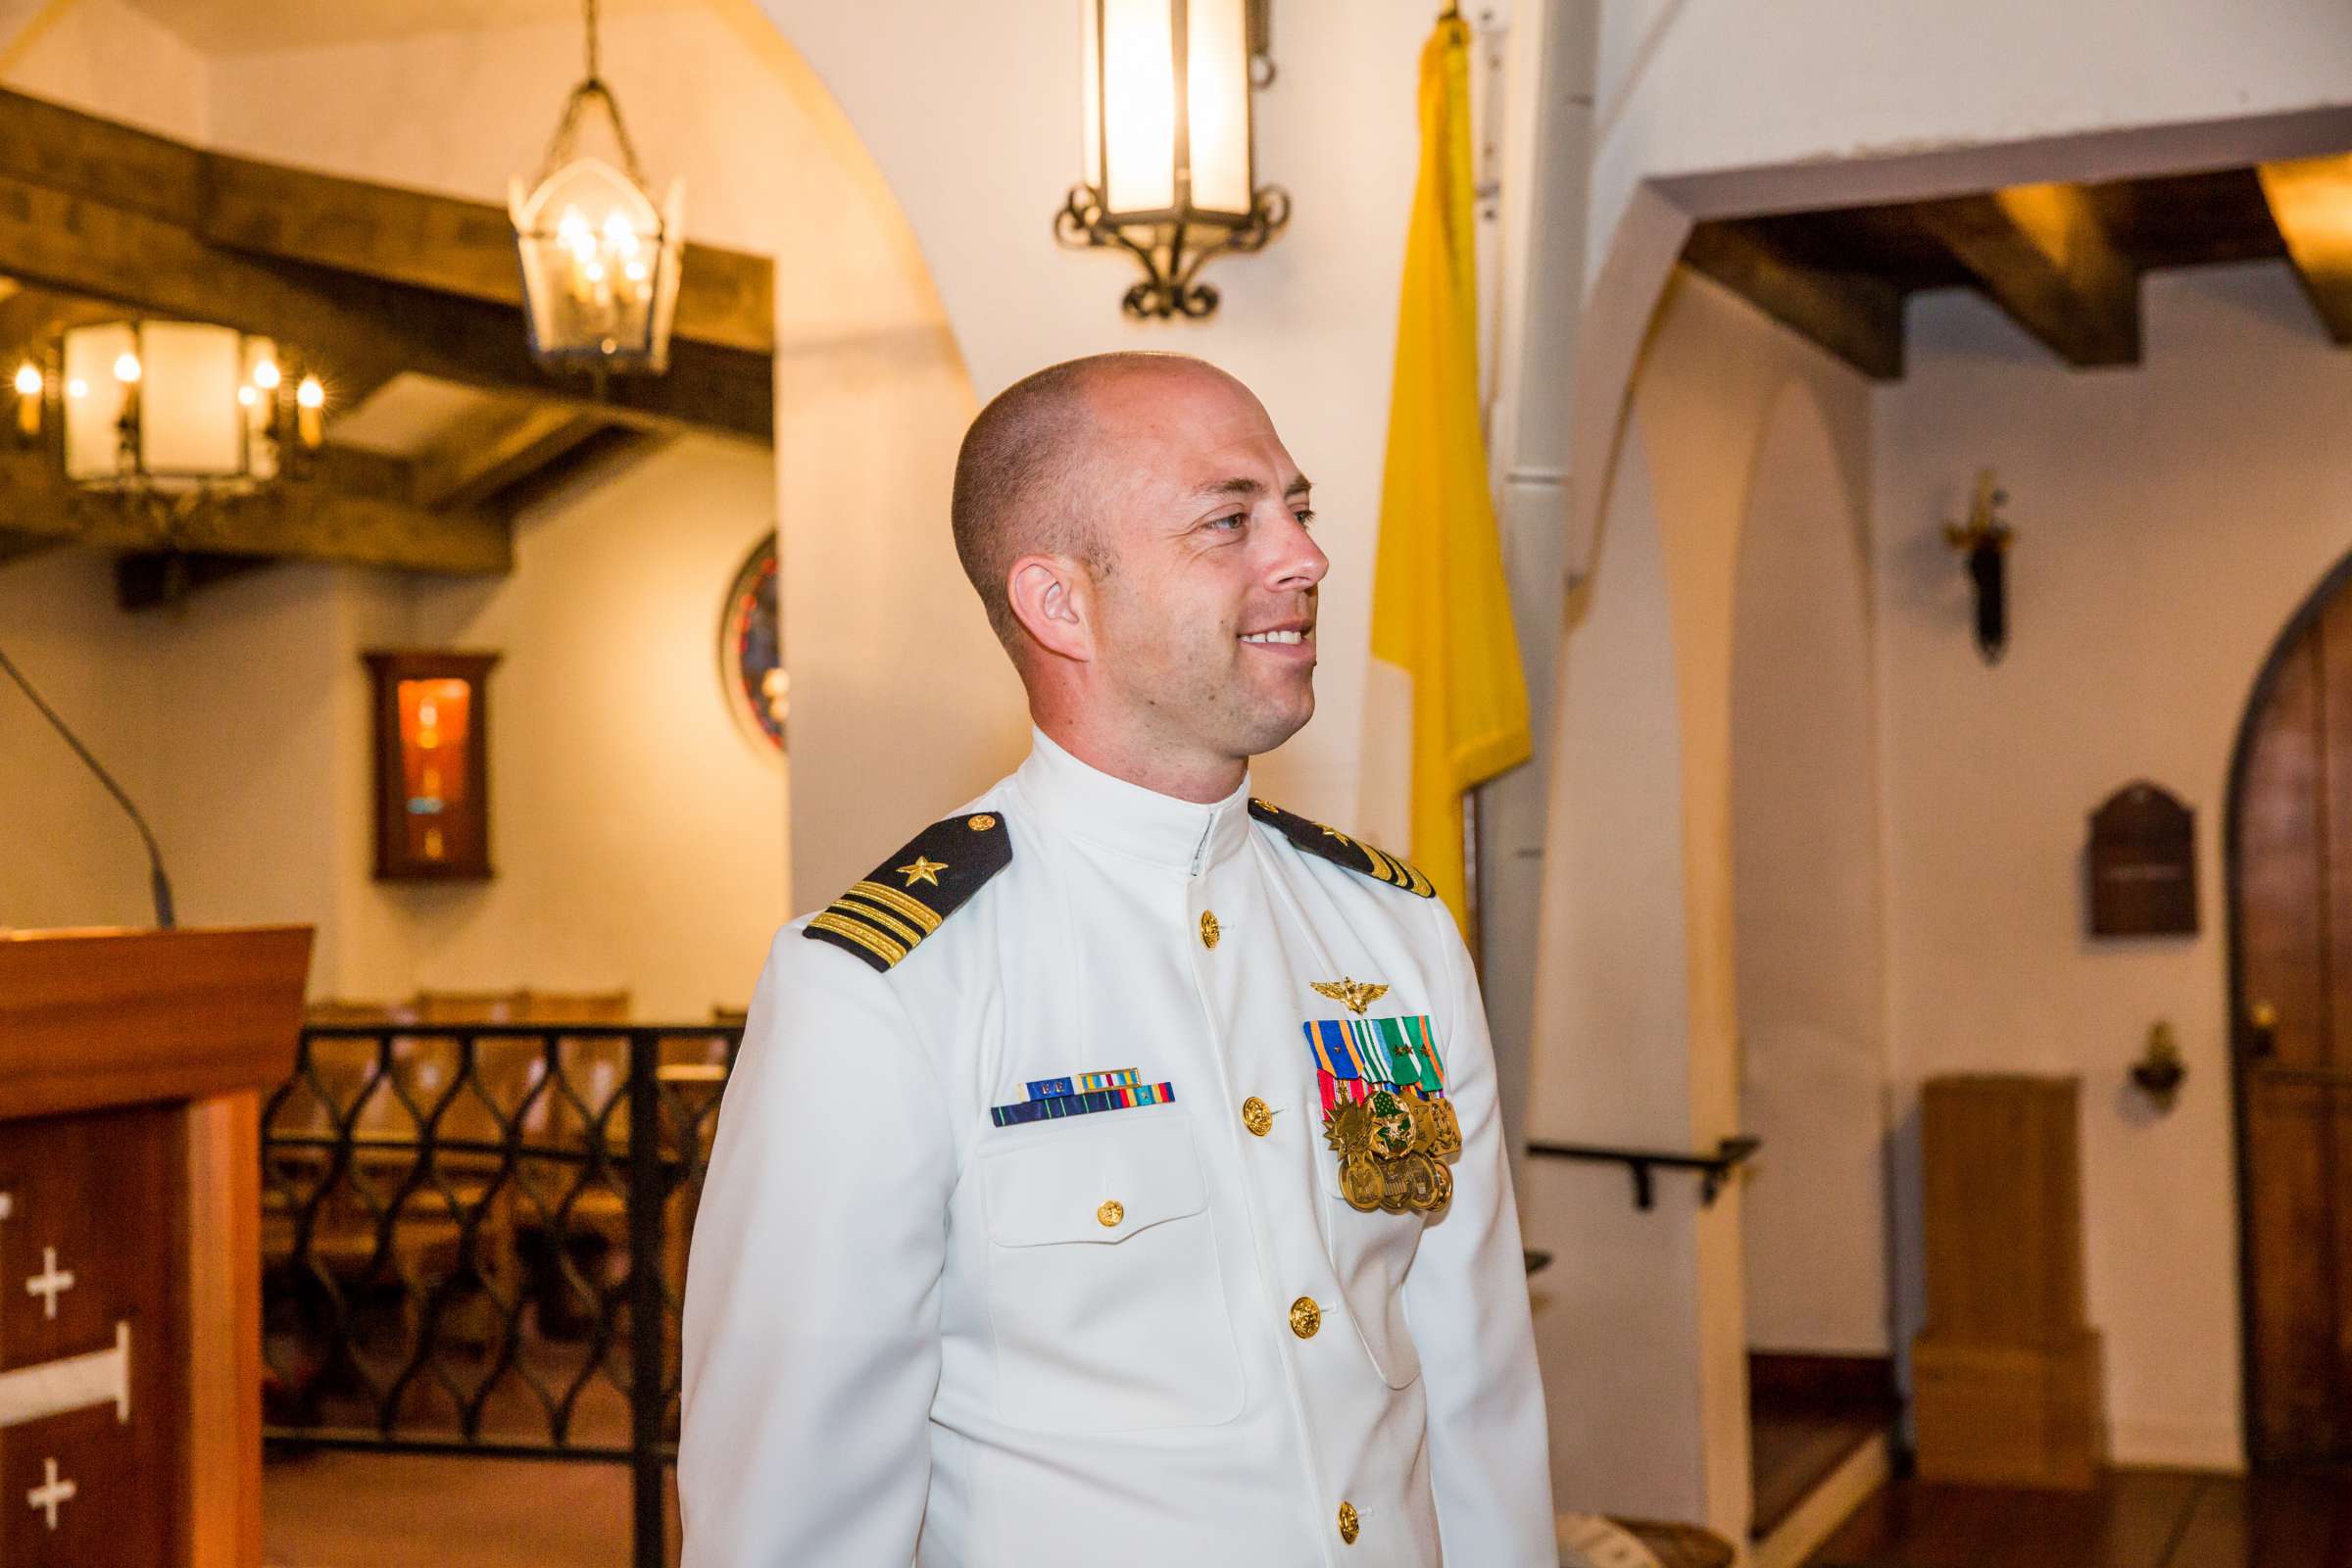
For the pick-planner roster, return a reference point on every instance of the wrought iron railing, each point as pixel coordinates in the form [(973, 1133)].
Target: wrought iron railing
[(468, 1248)]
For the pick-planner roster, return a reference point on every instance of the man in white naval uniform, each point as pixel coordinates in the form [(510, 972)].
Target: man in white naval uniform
[(1024, 1244)]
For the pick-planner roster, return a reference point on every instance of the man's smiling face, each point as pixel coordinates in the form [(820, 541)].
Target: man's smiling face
[(1205, 575)]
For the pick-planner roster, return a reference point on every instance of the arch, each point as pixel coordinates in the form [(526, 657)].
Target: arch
[(2333, 584), (1636, 256), (1807, 922)]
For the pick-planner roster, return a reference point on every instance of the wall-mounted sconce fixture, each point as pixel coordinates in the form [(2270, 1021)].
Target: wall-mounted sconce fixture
[(162, 420), (2160, 1070), (1983, 539), (1170, 173)]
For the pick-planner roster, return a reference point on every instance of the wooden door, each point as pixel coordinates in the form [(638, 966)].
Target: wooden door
[(2291, 888)]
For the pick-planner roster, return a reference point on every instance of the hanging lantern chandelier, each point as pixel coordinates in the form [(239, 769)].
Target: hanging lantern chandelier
[(1170, 173), (600, 256)]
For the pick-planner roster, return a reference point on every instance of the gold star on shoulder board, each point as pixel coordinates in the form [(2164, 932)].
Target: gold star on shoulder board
[(925, 869), (1356, 994)]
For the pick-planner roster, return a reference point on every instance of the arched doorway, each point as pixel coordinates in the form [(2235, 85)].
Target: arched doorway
[(2291, 905)]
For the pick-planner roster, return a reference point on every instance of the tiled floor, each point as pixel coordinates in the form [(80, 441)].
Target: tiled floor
[(358, 1510), (367, 1511), (2138, 1519)]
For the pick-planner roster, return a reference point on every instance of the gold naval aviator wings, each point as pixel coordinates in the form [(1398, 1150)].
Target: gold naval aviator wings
[(886, 914), (1337, 847)]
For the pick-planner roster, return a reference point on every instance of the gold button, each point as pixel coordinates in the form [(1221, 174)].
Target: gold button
[(1209, 929), (1305, 1317), (1256, 1117), (1112, 1212), (981, 823), (1348, 1523)]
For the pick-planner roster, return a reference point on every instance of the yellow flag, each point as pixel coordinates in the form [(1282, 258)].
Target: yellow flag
[(1440, 610)]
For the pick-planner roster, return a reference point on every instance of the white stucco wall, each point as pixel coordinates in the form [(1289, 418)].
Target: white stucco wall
[(1688, 89), (71, 857), (106, 58), (1639, 1005), (638, 839), (1805, 886), (2169, 518), (1309, 324), (638, 835)]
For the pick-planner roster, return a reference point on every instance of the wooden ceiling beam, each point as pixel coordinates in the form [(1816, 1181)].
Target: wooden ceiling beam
[(96, 209), (482, 462), (13, 545), (2040, 254), (62, 149), (359, 329), (2311, 201), (1854, 316), (30, 317), (354, 507), (725, 297)]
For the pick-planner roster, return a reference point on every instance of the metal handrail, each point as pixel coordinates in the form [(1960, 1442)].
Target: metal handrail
[(1714, 1169)]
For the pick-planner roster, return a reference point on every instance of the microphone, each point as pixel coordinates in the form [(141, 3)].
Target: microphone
[(160, 884)]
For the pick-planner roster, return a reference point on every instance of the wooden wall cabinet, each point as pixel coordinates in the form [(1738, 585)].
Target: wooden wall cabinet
[(2006, 1379), (432, 764)]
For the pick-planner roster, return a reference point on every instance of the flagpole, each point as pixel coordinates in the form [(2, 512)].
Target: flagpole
[(1474, 887)]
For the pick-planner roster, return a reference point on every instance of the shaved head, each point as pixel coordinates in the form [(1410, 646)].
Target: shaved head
[(1139, 534), (1030, 480)]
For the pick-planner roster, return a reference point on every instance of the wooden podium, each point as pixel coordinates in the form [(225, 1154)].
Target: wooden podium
[(131, 1065), (2005, 1378)]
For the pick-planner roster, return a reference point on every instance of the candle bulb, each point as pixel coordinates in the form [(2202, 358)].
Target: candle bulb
[(309, 414), (29, 401)]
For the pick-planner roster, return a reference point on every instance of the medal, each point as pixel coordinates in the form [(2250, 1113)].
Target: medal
[(1385, 1111), (1389, 1146)]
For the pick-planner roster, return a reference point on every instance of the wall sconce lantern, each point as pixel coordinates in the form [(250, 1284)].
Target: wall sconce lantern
[(600, 256), (1170, 171), (1984, 540), (164, 417), (2160, 1070)]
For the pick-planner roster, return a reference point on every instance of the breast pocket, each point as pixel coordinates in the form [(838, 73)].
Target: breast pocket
[(1371, 1253), (1104, 1295)]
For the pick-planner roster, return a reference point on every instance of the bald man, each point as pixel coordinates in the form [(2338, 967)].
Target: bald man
[(1114, 1176)]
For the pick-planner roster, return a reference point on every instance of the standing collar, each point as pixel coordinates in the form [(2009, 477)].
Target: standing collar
[(1085, 803)]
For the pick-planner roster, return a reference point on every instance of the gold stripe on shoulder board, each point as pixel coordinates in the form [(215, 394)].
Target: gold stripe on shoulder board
[(865, 936), (898, 902)]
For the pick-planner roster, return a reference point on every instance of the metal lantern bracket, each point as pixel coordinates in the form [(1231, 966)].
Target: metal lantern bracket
[(561, 147), (1168, 288)]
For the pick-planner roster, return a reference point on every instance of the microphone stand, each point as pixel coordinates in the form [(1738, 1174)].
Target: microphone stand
[(159, 884)]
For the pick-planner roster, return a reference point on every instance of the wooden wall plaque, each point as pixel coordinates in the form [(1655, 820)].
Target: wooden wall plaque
[(2143, 864)]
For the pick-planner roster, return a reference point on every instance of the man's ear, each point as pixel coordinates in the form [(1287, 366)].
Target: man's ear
[(1051, 597)]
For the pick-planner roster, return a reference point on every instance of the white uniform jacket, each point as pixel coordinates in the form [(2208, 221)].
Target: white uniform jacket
[(1151, 1335)]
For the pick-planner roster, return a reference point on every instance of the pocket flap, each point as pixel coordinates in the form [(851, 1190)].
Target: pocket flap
[(1091, 1184)]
